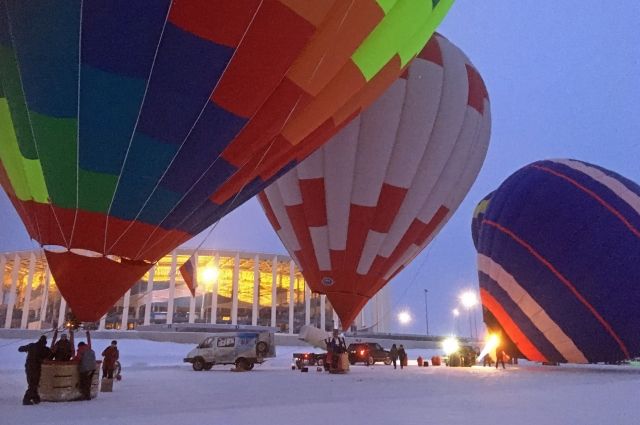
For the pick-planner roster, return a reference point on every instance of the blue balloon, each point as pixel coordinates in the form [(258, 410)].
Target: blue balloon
[(559, 262)]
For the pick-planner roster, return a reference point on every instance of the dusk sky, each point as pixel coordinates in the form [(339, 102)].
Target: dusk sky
[(564, 82)]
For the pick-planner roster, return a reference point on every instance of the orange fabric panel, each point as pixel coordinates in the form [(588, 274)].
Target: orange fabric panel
[(345, 85), (313, 11), (370, 92), (91, 285), (345, 28)]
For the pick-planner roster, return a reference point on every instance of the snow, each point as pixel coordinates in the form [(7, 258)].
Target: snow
[(158, 388)]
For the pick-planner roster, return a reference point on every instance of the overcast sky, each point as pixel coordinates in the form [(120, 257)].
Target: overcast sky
[(564, 82)]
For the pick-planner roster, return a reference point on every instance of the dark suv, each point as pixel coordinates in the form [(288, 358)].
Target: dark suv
[(369, 353)]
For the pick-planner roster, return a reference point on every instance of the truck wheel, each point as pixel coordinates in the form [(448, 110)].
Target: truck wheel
[(242, 364), (262, 347), (208, 366), (198, 364), (370, 361), (387, 361), (250, 366)]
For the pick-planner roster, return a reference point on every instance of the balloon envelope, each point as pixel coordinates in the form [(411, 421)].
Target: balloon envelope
[(558, 251), (127, 127), (363, 206)]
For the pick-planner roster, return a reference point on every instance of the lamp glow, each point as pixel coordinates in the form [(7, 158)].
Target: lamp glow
[(404, 317), (468, 299), (450, 345), (210, 274), (456, 312)]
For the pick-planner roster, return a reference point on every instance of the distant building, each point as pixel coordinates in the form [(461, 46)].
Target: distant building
[(269, 291)]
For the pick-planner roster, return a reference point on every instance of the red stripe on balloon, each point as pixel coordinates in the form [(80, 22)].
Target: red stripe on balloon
[(564, 280), (389, 202), (432, 51), (477, 90), (523, 343), (268, 210), (313, 200)]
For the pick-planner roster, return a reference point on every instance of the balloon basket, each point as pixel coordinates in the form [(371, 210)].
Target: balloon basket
[(59, 381)]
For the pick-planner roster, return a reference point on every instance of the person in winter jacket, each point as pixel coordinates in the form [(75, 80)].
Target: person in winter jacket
[(86, 366), (402, 355), (37, 352), (110, 354), (393, 353), (500, 356), (62, 350)]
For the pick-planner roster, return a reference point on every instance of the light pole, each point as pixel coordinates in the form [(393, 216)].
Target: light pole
[(426, 308), (456, 313), (469, 300)]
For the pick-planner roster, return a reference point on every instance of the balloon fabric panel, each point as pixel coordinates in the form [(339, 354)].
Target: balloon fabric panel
[(566, 231)]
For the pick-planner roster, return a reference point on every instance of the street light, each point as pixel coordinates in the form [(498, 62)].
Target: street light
[(426, 308), (469, 299)]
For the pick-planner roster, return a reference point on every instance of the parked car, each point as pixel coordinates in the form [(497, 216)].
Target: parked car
[(368, 352), (243, 349)]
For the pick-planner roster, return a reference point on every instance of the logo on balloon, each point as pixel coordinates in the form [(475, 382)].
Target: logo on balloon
[(327, 281)]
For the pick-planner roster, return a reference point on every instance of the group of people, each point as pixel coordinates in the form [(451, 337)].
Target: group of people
[(62, 350), (501, 357), (398, 354)]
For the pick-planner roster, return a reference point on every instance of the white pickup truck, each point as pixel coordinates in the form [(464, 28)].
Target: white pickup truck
[(243, 349)]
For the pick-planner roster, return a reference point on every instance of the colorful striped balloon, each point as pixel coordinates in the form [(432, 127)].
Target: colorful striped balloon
[(558, 249), (127, 127), (359, 209)]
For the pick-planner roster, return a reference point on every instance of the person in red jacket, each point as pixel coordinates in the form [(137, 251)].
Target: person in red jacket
[(110, 354)]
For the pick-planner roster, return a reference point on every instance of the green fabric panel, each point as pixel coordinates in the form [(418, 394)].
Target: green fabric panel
[(24, 174), (10, 78), (386, 40), (96, 191), (10, 155), (386, 5), (56, 138), (424, 33)]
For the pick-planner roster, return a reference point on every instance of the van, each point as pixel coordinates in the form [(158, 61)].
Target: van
[(242, 349)]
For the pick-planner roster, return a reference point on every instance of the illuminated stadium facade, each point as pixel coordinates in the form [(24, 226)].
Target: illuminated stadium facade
[(241, 288)]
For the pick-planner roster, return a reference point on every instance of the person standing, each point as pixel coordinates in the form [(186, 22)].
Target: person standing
[(500, 355), (111, 355), (37, 352), (86, 367), (62, 350), (393, 353), (402, 355)]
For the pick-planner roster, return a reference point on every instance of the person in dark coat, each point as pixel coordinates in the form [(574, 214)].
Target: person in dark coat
[(500, 355), (86, 367), (487, 359), (393, 353), (111, 355), (37, 352), (402, 355), (62, 350)]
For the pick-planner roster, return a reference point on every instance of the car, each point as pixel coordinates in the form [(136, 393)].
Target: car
[(243, 348), (369, 353)]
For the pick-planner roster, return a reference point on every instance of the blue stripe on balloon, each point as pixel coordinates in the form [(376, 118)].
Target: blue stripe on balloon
[(145, 164), (184, 75), (213, 133), (109, 105), (606, 194), (46, 35), (199, 194), (121, 36), (210, 211), (523, 322)]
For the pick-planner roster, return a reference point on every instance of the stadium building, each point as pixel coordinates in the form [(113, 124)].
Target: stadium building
[(238, 288)]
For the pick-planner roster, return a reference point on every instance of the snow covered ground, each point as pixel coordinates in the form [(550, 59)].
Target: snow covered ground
[(157, 388)]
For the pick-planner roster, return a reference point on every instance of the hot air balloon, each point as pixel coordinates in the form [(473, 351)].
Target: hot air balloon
[(127, 127), (363, 206), (558, 251)]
